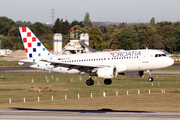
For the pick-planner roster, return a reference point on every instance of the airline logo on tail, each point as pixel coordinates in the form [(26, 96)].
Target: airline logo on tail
[(32, 45)]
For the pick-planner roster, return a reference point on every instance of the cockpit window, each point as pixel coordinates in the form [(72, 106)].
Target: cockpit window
[(160, 55)]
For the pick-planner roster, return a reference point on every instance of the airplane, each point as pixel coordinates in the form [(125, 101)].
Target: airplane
[(106, 65)]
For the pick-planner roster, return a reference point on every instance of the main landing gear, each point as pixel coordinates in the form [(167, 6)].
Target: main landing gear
[(90, 81), (150, 79)]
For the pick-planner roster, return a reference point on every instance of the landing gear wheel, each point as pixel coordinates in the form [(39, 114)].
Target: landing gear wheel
[(150, 79), (90, 82), (107, 81)]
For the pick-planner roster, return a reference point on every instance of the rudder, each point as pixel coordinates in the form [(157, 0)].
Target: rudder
[(33, 47)]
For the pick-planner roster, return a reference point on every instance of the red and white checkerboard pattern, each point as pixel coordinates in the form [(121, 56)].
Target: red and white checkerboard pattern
[(33, 47)]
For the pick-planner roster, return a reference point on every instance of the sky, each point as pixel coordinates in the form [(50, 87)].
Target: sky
[(99, 10)]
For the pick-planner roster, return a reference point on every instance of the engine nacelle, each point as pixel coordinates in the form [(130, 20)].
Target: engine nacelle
[(107, 72), (135, 74)]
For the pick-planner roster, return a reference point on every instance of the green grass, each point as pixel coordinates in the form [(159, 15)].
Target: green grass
[(16, 86)]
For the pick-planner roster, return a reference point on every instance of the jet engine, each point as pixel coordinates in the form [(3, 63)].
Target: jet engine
[(107, 72), (135, 74)]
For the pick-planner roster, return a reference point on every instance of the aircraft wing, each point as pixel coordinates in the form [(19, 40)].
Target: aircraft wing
[(82, 67)]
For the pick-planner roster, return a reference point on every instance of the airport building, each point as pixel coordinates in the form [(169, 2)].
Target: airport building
[(74, 46)]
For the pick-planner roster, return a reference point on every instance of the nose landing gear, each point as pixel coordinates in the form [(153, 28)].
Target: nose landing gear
[(150, 79)]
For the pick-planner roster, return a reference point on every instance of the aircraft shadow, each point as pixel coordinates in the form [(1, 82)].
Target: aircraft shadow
[(103, 110)]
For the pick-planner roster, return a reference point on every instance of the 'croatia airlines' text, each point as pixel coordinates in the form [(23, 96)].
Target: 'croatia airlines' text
[(126, 54)]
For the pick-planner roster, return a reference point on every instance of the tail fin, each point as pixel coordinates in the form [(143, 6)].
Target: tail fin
[(33, 47)]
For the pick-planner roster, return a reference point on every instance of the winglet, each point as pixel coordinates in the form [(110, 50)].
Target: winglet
[(33, 47)]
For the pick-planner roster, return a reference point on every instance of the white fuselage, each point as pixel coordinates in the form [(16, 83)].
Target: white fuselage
[(124, 60)]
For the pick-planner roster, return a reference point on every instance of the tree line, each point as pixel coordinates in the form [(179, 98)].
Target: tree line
[(161, 35)]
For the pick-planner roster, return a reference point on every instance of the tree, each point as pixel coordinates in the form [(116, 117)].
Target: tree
[(75, 22), (163, 23), (110, 26), (176, 34), (172, 44), (6, 43), (152, 21), (80, 30), (122, 26), (87, 21), (125, 40), (40, 29), (95, 38), (57, 26), (103, 29), (65, 27), (113, 42)]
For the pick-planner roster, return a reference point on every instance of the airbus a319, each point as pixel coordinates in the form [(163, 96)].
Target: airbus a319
[(107, 65)]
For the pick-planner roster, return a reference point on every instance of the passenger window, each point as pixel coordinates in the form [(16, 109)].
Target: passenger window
[(156, 55), (163, 54)]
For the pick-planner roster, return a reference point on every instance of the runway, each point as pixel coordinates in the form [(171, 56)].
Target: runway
[(31, 70), (20, 70), (84, 115)]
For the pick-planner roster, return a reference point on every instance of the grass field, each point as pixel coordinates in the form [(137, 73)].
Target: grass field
[(18, 86)]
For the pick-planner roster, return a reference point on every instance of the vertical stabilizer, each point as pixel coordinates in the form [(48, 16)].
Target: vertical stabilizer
[(33, 47)]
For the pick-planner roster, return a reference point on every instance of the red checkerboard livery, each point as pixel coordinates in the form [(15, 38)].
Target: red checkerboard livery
[(32, 45)]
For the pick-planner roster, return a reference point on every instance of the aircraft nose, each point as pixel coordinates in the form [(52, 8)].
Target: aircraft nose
[(171, 61)]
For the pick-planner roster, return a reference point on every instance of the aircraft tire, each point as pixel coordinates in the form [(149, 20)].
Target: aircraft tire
[(90, 82), (150, 79), (107, 81)]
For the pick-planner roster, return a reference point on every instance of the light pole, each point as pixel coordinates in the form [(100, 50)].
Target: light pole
[(0, 41)]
